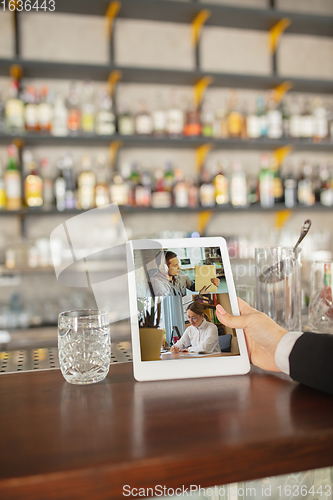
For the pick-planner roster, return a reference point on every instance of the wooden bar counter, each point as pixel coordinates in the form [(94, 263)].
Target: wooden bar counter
[(60, 441)]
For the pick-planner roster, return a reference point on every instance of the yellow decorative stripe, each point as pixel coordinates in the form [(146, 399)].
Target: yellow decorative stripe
[(110, 16), (197, 24), (200, 88), (276, 32), (203, 220), (281, 90), (281, 153), (114, 146), (200, 155), (281, 217), (113, 79)]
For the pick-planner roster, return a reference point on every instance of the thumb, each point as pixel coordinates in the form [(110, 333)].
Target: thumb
[(229, 320)]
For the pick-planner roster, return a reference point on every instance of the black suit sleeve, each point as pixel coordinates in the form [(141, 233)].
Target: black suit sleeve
[(311, 361)]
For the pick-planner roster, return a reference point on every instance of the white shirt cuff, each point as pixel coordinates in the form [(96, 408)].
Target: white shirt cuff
[(284, 349)]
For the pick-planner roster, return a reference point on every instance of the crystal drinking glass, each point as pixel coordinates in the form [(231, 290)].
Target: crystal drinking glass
[(84, 345), (321, 304)]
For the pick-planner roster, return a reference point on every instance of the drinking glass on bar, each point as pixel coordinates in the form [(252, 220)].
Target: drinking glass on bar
[(321, 305), (84, 345), (280, 300)]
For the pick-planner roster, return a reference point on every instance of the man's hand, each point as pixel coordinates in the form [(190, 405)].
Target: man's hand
[(262, 334)]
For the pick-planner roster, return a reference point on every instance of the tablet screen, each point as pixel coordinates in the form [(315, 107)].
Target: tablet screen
[(177, 291)]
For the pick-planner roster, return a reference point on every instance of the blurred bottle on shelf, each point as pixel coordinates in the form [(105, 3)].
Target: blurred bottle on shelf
[(74, 110), (221, 123), (86, 185), (59, 126), (266, 183), (285, 118), (175, 119), (2, 113), (159, 118), (143, 190), (48, 184), (296, 124), (326, 185), (235, 117), (13, 180), (14, 107), (253, 124), (45, 110), (161, 197), (207, 189), (33, 183), (262, 115), (68, 173), (193, 193), (290, 188), (192, 122), (60, 187), (278, 182), (207, 119), (307, 121), (2, 187), (320, 121), (105, 116), (143, 121), (88, 110), (274, 118), (125, 120), (119, 187), (180, 190), (30, 98), (221, 184), (305, 189), (238, 186), (102, 192)]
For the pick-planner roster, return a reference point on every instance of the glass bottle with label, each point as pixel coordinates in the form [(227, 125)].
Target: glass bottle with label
[(207, 189), (266, 183), (159, 118), (143, 121), (175, 119), (125, 120), (13, 180), (48, 184), (235, 117), (31, 109), (307, 121), (60, 188), (102, 192), (33, 183), (238, 186), (88, 109), (253, 125), (68, 173), (290, 189), (221, 186), (2, 187), (45, 110), (326, 192), (274, 119), (86, 185), (105, 117), (160, 198), (207, 120), (60, 117), (193, 193), (296, 127), (192, 125), (285, 119), (2, 113), (320, 121), (119, 188), (180, 190), (143, 190), (305, 189), (278, 182), (261, 112), (74, 110), (14, 110)]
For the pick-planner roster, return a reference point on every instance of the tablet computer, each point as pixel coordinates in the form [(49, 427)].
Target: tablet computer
[(174, 327)]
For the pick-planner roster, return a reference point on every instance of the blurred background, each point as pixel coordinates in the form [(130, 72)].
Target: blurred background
[(197, 118)]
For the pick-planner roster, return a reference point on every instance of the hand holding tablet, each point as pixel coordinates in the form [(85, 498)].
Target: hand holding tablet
[(165, 293)]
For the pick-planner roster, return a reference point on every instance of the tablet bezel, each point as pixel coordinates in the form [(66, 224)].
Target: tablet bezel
[(178, 368)]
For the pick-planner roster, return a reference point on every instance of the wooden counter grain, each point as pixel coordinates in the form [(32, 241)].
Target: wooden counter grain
[(60, 441)]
